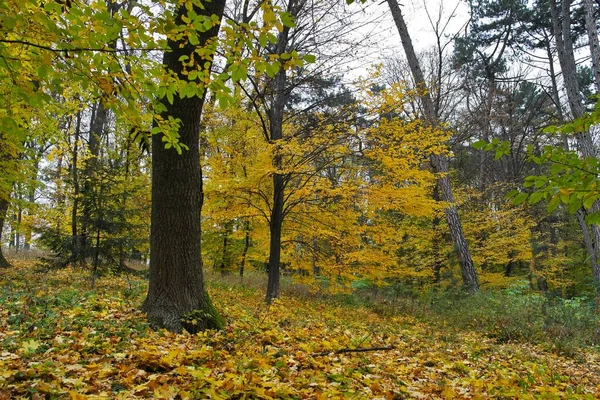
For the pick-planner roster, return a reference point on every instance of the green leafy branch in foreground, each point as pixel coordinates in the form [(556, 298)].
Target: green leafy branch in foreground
[(569, 179)]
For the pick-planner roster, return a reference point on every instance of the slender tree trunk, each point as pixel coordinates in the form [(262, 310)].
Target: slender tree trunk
[(437, 240), (31, 206), (276, 131), (315, 248), (592, 31), (225, 259), (246, 247), (97, 126), (275, 226), (4, 203), (439, 162), (75, 242), (19, 220), (176, 281), (96, 260)]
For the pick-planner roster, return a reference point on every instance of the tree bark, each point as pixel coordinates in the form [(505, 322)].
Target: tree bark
[(75, 243), (276, 135), (439, 162), (592, 31), (226, 256), (561, 24), (4, 203), (176, 281), (246, 247), (97, 125)]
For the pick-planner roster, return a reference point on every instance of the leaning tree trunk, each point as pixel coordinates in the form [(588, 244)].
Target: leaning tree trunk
[(439, 161), (176, 288)]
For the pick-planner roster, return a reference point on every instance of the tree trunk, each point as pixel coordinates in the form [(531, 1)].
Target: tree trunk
[(31, 208), (437, 240), (275, 225), (439, 162), (316, 270), (592, 31), (176, 281), (4, 203), (75, 242), (97, 125), (246, 247), (225, 256), (276, 132), (19, 219), (561, 24)]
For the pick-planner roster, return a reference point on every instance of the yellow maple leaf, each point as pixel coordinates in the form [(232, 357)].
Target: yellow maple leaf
[(30, 346)]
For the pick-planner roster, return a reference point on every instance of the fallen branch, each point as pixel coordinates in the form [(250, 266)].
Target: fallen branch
[(357, 350)]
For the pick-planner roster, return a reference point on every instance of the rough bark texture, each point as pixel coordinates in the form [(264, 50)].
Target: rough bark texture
[(276, 132), (561, 24), (176, 288), (3, 210), (439, 162), (592, 31)]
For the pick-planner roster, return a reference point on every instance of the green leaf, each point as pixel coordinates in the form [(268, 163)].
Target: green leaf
[(536, 197), (589, 201), (273, 69), (287, 19), (263, 40), (479, 145), (520, 198), (512, 193), (574, 205), (309, 58)]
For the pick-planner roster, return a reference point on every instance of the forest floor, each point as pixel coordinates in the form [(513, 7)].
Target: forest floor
[(60, 339)]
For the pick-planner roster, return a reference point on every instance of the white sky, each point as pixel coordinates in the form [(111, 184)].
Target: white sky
[(385, 39)]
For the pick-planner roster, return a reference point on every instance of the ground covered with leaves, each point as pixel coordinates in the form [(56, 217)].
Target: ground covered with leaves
[(60, 339)]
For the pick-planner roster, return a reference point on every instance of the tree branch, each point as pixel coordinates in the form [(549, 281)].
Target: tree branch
[(357, 350)]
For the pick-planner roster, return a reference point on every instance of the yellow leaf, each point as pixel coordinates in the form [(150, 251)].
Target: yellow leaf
[(76, 396), (29, 346), (46, 58)]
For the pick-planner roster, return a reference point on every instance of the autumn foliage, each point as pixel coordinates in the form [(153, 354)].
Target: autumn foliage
[(62, 340)]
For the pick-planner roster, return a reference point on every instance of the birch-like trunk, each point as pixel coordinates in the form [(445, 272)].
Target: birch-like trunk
[(439, 161)]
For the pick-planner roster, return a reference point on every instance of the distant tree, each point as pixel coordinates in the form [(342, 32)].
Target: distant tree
[(439, 161)]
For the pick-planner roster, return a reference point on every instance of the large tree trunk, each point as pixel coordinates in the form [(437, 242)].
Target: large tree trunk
[(176, 285), (439, 162), (561, 24)]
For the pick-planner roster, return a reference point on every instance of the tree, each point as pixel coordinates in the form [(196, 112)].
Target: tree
[(176, 282), (439, 162)]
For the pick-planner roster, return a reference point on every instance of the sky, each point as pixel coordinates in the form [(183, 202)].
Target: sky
[(384, 40)]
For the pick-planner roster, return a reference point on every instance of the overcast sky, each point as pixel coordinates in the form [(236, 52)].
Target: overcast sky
[(385, 41)]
